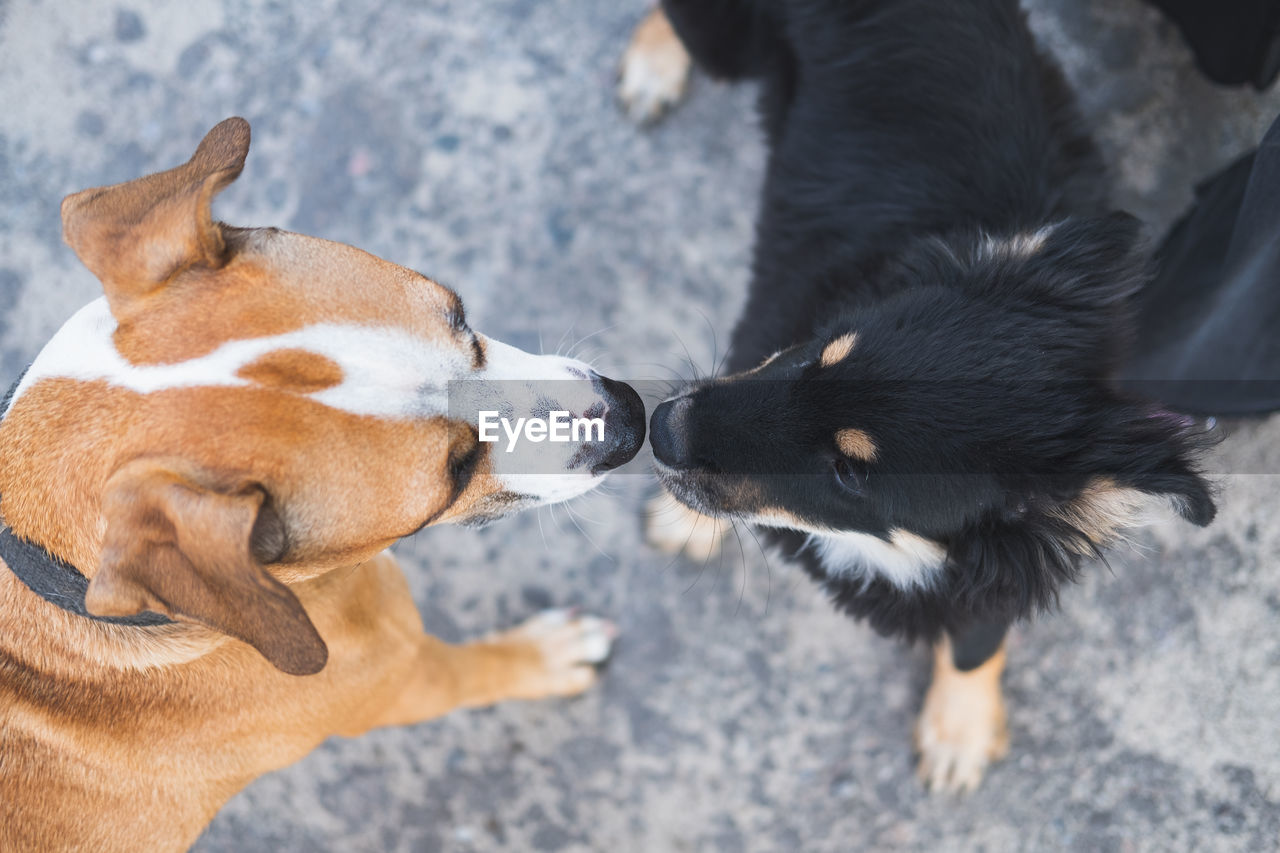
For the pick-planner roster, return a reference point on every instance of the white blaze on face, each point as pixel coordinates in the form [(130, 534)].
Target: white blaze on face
[(386, 372)]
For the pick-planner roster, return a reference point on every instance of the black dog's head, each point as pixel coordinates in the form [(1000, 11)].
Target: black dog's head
[(964, 426)]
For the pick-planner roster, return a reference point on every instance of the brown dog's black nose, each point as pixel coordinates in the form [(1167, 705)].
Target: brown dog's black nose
[(669, 433), (623, 425)]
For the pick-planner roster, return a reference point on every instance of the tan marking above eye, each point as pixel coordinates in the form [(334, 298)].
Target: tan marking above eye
[(836, 351), (856, 444), (293, 370)]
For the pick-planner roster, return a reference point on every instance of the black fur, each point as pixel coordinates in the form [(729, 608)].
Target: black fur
[(930, 187)]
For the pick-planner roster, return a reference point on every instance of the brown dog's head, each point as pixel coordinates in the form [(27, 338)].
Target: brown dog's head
[(250, 407)]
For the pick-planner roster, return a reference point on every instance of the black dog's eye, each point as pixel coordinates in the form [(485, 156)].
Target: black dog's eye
[(851, 475)]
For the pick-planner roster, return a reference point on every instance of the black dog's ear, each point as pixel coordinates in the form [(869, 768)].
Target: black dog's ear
[(1191, 495), (1014, 560), (1090, 264), (1153, 450), (1136, 450), (1084, 273)]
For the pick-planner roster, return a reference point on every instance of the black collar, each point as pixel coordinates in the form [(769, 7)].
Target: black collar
[(59, 582), (54, 580)]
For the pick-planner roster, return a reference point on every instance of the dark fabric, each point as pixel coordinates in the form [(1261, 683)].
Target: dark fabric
[(58, 582), (1209, 334), (1234, 41), (974, 646)]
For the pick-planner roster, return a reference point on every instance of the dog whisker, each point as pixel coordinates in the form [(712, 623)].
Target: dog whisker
[(586, 338), (701, 569), (688, 356), (767, 565), (587, 536), (538, 515), (565, 334)]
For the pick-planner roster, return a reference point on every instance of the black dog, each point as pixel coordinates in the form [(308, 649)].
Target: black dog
[(921, 406)]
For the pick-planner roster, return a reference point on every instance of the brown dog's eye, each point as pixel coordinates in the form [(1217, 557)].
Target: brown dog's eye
[(464, 452), (851, 475)]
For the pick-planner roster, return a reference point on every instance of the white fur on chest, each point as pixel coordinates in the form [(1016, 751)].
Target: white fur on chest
[(906, 561)]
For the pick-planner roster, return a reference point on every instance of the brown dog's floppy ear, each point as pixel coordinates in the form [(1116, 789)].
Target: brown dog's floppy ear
[(177, 547), (137, 235)]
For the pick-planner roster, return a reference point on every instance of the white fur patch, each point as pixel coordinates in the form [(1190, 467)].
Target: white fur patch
[(654, 71), (907, 561), (1015, 246), (386, 372), (522, 384)]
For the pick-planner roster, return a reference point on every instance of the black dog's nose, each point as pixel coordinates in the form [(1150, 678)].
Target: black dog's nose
[(623, 425), (669, 433)]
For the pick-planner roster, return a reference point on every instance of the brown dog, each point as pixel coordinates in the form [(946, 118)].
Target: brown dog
[(229, 440)]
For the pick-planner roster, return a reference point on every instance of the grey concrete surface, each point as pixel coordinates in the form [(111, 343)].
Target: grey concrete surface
[(478, 141)]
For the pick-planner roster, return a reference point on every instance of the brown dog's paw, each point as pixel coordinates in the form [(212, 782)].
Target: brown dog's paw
[(961, 730), (673, 528), (654, 70), (567, 649)]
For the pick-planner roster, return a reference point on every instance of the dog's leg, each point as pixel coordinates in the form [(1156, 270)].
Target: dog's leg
[(673, 528), (406, 676), (654, 70), (553, 654), (729, 39), (962, 725)]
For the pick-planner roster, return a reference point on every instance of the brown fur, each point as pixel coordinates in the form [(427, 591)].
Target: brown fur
[(838, 350), (253, 516), (110, 744), (654, 70), (1103, 510), (135, 237), (856, 444), (962, 724), (294, 370)]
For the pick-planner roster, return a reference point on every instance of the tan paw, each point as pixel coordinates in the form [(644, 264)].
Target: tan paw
[(961, 730), (673, 528), (654, 70), (567, 648)]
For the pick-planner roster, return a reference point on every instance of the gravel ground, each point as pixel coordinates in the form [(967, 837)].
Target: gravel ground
[(478, 141)]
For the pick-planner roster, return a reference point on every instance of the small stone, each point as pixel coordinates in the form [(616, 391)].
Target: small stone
[(129, 26), (90, 124)]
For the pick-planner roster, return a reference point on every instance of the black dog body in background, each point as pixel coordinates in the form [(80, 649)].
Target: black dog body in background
[(921, 404)]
